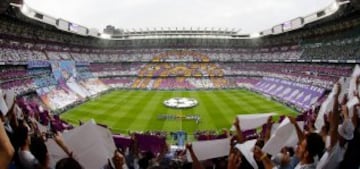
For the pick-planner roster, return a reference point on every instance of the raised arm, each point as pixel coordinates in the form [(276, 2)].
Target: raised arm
[(335, 117), (12, 116), (6, 149), (355, 109), (269, 124), (239, 135), (234, 161), (263, 157), (300, 134), (355, 116), (60, 142)]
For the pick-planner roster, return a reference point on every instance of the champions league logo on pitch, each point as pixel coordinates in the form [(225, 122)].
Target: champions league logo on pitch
[(181, 102)]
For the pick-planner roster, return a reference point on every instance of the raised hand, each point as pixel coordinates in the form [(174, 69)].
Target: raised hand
[(188, 146), (258, 154), (337, 89), (269, 121), (118, 160), (234, 161), (292, 119), (236, 123)]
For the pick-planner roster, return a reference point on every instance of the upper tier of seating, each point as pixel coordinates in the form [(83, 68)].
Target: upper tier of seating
[(337, 39)]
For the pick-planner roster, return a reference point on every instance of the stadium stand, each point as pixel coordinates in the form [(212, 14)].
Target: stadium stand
[(44, 71)]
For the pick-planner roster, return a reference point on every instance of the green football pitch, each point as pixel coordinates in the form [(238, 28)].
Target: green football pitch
[(137, 110)]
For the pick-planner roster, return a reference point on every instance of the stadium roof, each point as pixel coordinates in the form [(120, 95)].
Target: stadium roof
[(250, 16), (139, 19)]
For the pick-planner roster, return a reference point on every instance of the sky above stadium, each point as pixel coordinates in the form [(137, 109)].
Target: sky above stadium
[(248, 15)]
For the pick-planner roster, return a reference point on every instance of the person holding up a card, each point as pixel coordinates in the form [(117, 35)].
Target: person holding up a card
[(6, 148)]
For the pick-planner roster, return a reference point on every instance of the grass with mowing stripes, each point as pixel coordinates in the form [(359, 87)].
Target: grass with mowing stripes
[(135, 110)]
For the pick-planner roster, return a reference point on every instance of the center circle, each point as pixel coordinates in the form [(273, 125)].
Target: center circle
[(180, 102)]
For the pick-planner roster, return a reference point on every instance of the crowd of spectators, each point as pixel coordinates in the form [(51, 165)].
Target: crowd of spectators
[(314, 74), (337, 39), (57, 97), (21, 79), (317, 74), (118, 82), (180, 69), (298, 95), (93, 86), (330, 137), (154, 75), (20, 55), (115, 69), (83, 72), (175, 75), (24, 50), (187, 83), (339, 49), (39, 77), (333, 145)]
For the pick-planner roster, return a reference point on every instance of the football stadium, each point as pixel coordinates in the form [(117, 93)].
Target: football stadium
[(77, 97)]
